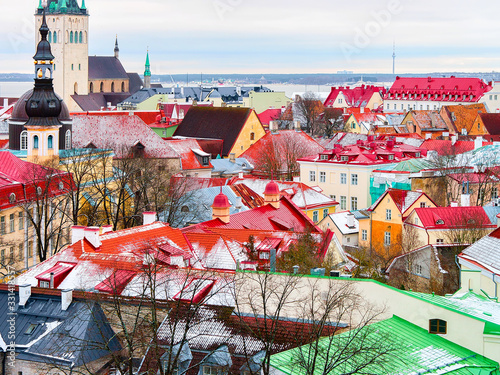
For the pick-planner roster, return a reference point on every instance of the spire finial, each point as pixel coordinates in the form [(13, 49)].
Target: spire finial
[(117, 50)]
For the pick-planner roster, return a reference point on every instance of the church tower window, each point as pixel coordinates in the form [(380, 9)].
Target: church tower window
[(102, 87), (35, 142), (123, 86), (81, 37), (55, 37), (71, 37), (91, 87), (50, 142), (67, 141), (24, 140), (112, 87), (49, 38)]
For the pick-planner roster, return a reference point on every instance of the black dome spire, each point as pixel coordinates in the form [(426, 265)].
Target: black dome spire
[(43, 107)]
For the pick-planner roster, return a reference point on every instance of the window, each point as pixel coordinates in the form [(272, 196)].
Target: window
[(35, 142), (418, 269), (24, 140), (325, 212), (209, 370), (322, 176), (31, 329), (353, 125), (354, 179), (91, 88), (422, 204), (55, 37), (11, 255), (67, 140), (112, 87), (252, 136), (12, 198), (315, 216), (71, 41), (344, 158), (72, 66), (263, 255), (343, 178), (387, 238), (437, 326), (2, 225), (354, 203), (390, 157), (12, 222), (21, 251), (439, 240), (50, 142), (364, 235), (312, 176), (323, 157), (343, 202), (123, 86), (2, 256), (494, 192), (388, 214), (81, 37), (21, 221), (416, 221), (205, 160), (30, 249), (49, 38), (101, 87), (439, 222)]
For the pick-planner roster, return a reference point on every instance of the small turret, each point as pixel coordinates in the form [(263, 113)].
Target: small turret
[(272, 194), (220, 208), (147, 73)]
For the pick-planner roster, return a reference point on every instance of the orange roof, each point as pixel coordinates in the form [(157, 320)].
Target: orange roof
[(462, 116)]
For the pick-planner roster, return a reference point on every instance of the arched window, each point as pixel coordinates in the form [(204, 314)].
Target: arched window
[(24, 140), (76, 37), (35, 142), (101, 87), (76, 88), (67, 140), (252, 136), (71, 37), (91, 88), (12, 198), (85, 37), (55, 37), (49, 38), (81, 37), (67, 36), (112, 87), (50, 142), (123, 86), (437, 326)]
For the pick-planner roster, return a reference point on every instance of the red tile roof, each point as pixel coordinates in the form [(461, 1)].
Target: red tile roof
[(120, 133), (450, 89), (445, 147), (184, 148), (368, 152), (271, 114), (491, 122), (279, 144), (4, 143), (453, 217), (356, 96), (115, 283)]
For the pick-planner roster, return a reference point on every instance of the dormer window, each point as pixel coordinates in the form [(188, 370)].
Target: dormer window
[(324, 157), (12, 198), (440, 222), (417, 154), (205, 160), (344, 158), (391, 157), (52, 103)]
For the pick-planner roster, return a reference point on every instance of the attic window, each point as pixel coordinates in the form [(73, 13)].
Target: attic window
[(417, 155), (344, 158), (391, 157), (324, 157), (31, 329), (440, 222), (437, 326), (12, 198), (205, 160), (471, 221), (185, 209)]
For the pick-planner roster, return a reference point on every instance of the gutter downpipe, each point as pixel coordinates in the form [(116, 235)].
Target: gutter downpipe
[(496, 286), (460, 273)]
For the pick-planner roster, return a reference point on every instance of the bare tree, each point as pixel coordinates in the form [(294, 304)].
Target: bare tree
[(307, 110), (331, 121)]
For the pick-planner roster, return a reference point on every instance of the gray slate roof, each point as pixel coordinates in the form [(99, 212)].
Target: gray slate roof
[(226, 166), (492, 212), (79, 335), (486, 251), (106, 67)]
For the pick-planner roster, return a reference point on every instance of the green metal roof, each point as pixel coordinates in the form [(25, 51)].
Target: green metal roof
[(411, 350), (411, 166), (476, 306)]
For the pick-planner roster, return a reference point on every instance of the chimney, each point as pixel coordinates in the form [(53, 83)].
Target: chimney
[(239, 203), (51, 280), (297, 126), (465, 200), (107, 229), (273, 126), (108, 105), (77, 233), (361, 109), (453, 139), (148, 218), (232, 157), (428, 136), (240, 175), (350, 220), (24, 294), (5, 102), (66, 299), (478, 142), (92, 235), (454, 204)]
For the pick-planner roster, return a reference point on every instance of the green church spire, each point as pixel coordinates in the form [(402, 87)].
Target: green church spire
[(147, 72), (64, 7), (83, 7), (40, 5)]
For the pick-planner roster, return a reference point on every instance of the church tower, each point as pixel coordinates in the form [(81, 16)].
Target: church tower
[(68, 25), (43, 107), (147, 73)]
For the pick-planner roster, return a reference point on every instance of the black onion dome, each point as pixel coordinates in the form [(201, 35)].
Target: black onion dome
[(19, 111), (43, 51), (43, 107)]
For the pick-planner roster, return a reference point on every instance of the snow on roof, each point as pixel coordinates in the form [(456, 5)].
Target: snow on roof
[(340, 220), (485, 252), (119, 133)]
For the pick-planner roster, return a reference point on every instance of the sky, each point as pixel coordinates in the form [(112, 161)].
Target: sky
[(277, 36)]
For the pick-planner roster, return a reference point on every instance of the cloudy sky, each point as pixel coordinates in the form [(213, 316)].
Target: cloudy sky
[(277, 36)]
